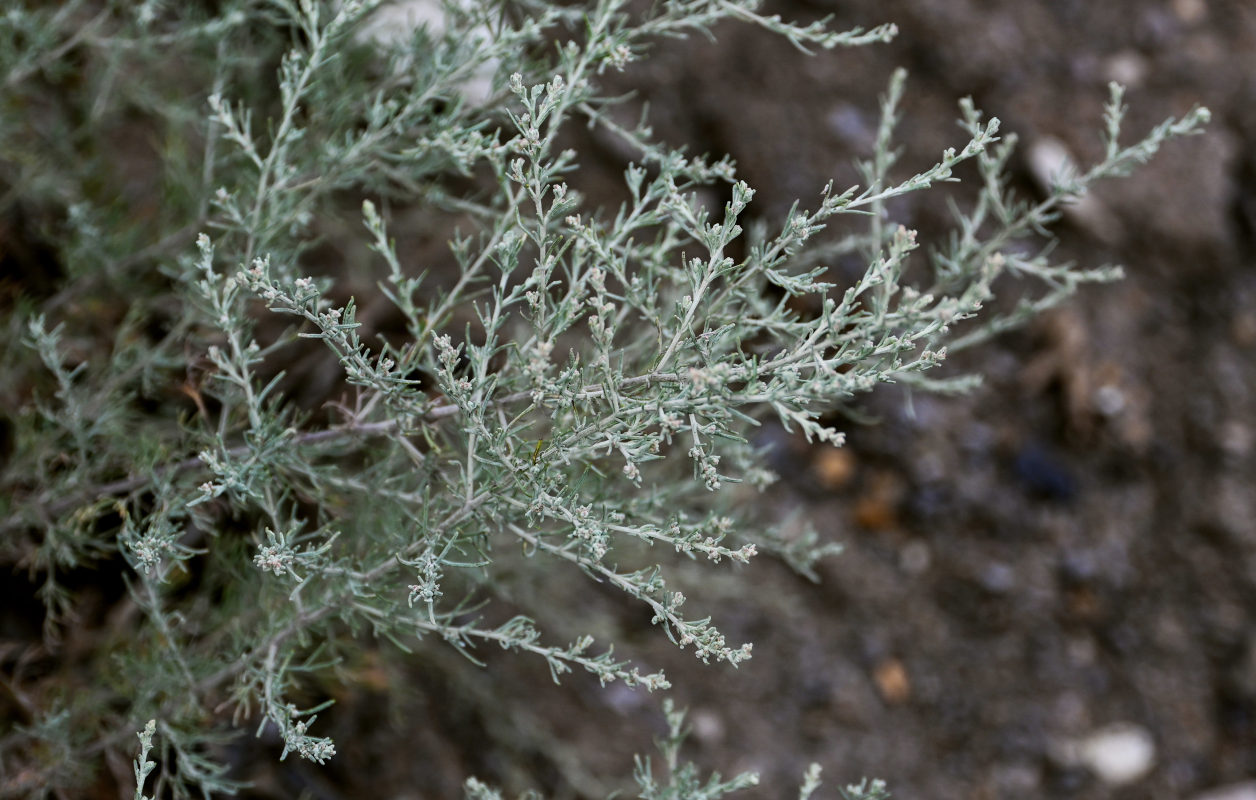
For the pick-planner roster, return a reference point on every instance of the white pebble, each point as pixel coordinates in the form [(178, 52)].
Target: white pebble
[(1117, 754)]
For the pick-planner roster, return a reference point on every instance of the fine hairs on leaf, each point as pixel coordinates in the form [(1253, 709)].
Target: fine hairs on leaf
[(566, 393)]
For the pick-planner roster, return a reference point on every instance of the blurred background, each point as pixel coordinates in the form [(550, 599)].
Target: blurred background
[(1049, 585)]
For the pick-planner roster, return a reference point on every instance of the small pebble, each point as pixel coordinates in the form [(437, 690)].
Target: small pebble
[(915, 558), (1109, 400), (833, 467), (892, 681), (1117, 754), (998, 578), (708, 727), (1190, 11), (1049, 160), (1128, 68)]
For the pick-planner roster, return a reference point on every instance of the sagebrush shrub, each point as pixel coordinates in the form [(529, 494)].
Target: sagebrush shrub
[(568, 391)]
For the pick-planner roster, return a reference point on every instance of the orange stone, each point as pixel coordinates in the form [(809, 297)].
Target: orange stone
[(892, 681)]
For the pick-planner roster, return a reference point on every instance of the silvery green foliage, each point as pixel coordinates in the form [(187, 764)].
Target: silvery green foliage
[(574, 397), (682, 779), (142, 765)]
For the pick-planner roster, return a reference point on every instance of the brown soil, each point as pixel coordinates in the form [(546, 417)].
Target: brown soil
[(1071, 546)]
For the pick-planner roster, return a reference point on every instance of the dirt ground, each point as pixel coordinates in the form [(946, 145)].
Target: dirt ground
[(1070, 548), (1074, 545), (1066, 553)]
